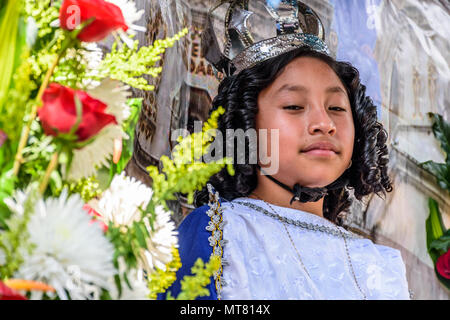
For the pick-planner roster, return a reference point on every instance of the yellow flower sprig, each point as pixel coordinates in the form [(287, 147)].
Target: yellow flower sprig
[(186, 173), (194, 286), (161, 280), (129, 65)]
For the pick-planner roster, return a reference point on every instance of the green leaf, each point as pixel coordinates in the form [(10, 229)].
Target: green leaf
[(104, 178), (7, 182), (79, 109), (441, 130), (128, 126), (140, 237), (435, 228), (125, 277), (118, 284), (9, 27), (116, 252), (5, 213), (21, 42), (441, 171), (55, 180), (442, 244), (135, 105), (105, 295)]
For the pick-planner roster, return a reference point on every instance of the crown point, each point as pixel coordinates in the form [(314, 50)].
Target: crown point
[(288, 24)]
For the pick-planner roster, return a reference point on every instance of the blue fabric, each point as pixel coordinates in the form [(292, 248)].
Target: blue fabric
[(193, 244)]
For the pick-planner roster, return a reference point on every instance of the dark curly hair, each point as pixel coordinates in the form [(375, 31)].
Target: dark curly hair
[(238, 94)]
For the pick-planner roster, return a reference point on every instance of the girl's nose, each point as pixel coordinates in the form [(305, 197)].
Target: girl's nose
[(320, 121)]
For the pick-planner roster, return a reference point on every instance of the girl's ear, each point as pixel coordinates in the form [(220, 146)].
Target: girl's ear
[(351, 162)]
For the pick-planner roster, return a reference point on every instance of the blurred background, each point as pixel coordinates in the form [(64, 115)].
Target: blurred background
[(402, 50)]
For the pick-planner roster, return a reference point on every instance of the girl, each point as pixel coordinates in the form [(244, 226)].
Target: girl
[(279, 236)]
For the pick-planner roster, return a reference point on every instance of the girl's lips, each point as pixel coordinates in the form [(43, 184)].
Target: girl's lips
[(320, 153)]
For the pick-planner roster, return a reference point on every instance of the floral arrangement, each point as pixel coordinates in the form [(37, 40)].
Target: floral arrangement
[(438, 237), (72, 224)]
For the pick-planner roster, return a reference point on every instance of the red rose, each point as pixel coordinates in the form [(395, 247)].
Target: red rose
[(443, 265), (107, 18), (58, 113), (6, 293)]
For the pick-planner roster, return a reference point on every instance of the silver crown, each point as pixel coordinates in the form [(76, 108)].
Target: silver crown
[(242, 33)]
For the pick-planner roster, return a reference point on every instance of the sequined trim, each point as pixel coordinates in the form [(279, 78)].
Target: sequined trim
[(216, 241)]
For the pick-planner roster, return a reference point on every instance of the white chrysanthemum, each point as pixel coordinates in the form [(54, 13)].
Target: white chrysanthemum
[(130, 15), (70, 253), (139, 287), (98, 153), (121, 201), (162, 239), (17, 202), (120, 205), (115, 95), (92, 56)]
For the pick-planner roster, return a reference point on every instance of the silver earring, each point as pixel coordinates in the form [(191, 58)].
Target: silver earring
[(350, 164)]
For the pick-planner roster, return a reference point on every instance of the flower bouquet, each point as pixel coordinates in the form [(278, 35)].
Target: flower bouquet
[(438, 236), (72, 224)]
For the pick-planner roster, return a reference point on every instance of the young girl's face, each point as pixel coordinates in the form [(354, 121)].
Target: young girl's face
[(308, 103)]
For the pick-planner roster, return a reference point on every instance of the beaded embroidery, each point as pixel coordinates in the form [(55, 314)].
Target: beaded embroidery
[(216, 241), (302, 224)]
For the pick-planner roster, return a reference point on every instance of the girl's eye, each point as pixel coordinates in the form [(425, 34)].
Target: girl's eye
[(292, 107), (338, 108)]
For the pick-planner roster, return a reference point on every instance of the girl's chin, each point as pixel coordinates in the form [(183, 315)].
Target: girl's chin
[(316, 179), (325, 166)]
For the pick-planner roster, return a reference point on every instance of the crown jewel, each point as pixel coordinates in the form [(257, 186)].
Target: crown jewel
[(241, 33)]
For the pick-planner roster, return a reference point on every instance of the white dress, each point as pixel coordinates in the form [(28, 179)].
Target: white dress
[(263, 264)]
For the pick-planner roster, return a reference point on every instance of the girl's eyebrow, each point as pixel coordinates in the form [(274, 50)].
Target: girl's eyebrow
[(300, 88), (289, 87), (335, 89)]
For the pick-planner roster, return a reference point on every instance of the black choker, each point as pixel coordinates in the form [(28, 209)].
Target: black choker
[(306, 194)]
